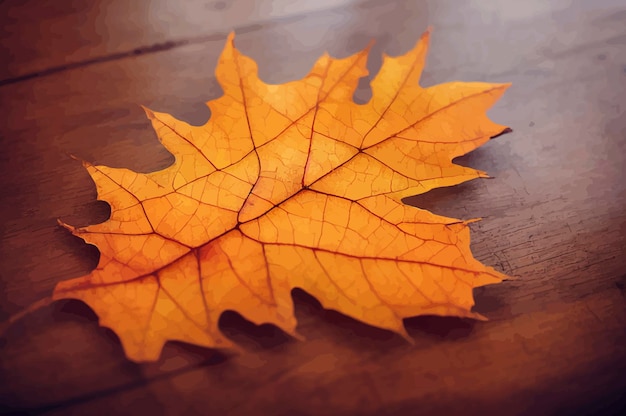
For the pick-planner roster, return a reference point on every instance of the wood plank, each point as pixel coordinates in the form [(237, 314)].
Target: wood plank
[(39, 37), (554, 216)]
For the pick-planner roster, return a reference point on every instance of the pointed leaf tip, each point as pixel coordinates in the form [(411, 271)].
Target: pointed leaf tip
[(230, 39), (149, 113), (65, 225), (78, 159)]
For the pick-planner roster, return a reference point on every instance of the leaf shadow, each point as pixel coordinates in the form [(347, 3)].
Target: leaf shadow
[(315, 322), (446, 201), (454, 201), (449, 328), (94, 212), (249, 335), (80, 313), (81, 322), (318, 322), (70, 309), (461, 200), (86, 255), (193, 355), (490, 300)]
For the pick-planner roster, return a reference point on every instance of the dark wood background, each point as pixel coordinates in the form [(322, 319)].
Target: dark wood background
[(72, 78)]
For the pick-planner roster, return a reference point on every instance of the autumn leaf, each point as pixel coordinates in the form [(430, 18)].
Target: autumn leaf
[(291, 186)]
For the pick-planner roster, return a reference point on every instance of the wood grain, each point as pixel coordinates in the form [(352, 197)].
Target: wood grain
[(554, 215)]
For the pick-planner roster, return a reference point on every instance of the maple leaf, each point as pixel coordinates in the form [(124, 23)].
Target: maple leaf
[(287, 186)]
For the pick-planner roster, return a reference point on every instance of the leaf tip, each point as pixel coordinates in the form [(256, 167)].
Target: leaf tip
[(297, 336), (427, 32), (478, 316), (425, 38), (502, 87), (504, 131), (511, 278), (228, 53), (405, 335), (66, 226), (230, 39), (85, 163), (149, 113), (76, 158)]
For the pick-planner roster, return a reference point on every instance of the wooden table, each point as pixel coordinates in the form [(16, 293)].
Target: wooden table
[(73, 77)]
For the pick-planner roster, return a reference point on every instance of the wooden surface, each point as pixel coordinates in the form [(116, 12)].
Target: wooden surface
[(554, 215)]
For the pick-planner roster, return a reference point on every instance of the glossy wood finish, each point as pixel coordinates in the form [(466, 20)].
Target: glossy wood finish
[(554, 214)]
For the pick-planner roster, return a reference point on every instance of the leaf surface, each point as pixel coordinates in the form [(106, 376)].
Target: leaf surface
[(286, 186)]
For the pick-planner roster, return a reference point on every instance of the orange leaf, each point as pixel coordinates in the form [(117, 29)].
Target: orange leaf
[(287, 186)]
